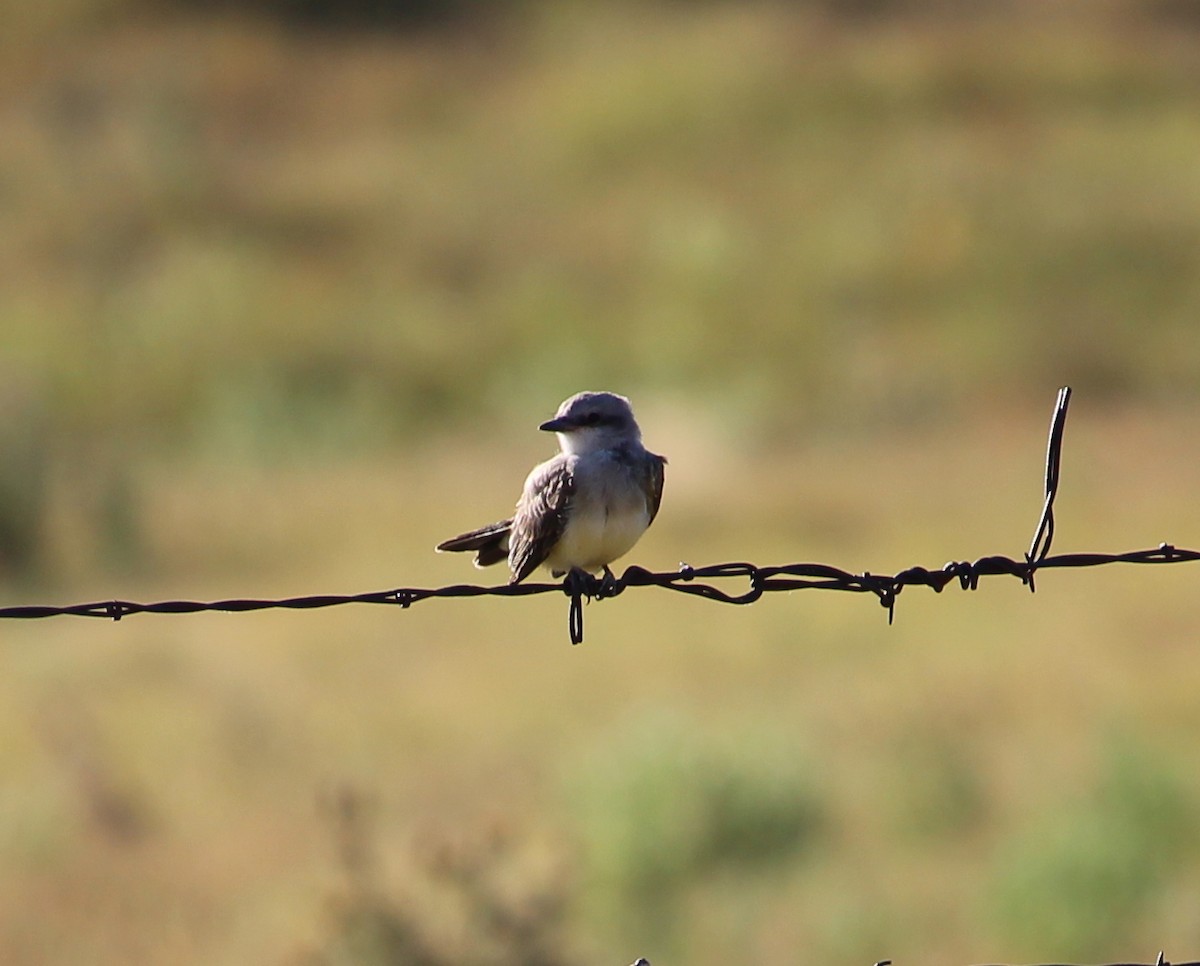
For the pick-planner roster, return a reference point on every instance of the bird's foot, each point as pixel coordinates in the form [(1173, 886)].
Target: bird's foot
[(609, 587), (580, 586), (580, 583), (583, 584)]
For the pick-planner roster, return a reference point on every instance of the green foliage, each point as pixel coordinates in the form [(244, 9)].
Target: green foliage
[(1072, 885), (721, 201), (669, 801), (24, 482)]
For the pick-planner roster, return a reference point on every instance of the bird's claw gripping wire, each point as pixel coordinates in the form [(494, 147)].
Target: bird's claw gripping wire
[(582, 588)]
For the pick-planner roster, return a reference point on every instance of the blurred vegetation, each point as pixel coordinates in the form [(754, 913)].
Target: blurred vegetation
[(492, 918), (24, 486), (223, 235), (1076, 880), (669, 803), (284, 289)]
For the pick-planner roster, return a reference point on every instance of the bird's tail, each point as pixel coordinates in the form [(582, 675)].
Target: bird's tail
[(490, 543)]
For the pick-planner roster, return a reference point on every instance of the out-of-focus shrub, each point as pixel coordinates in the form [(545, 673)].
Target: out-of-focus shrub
[(24, 480), (669, 803), (1073, 885)]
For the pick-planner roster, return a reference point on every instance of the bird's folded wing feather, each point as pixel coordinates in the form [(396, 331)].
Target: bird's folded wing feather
[(541, 517), (652, 483)]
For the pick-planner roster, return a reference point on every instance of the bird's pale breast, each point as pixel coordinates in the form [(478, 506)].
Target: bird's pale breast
[(594, 539), (608, 516)]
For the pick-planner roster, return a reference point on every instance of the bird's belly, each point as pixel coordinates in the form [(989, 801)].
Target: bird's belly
[(594, 537)]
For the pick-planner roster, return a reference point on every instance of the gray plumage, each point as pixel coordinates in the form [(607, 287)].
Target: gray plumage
[(585, 507)]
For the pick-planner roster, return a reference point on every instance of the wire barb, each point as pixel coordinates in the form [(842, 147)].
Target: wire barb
[(1043, 536), (702, 582)]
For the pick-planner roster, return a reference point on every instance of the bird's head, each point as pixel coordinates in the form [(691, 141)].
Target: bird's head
[(590, 421)]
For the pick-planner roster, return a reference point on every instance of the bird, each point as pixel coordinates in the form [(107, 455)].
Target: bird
[(586, 506)]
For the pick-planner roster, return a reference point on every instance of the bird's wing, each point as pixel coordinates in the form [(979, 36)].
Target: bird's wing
[(541, 516), (652, 483)]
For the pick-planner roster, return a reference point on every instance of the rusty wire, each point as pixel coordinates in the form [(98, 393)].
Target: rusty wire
[(1159, 961), (698, 581)]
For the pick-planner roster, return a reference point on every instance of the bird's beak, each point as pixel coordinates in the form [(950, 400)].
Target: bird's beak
[(557, 425)]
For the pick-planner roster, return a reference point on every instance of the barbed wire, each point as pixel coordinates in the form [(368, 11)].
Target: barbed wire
[(1159, 961), (697, 581)]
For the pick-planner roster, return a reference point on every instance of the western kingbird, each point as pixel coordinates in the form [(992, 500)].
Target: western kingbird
[(585, 507)]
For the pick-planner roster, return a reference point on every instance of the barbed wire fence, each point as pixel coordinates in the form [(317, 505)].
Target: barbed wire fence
[(1159, 961), (697, 581)]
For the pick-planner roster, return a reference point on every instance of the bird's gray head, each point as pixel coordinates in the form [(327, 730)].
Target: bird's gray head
[(590, 421)]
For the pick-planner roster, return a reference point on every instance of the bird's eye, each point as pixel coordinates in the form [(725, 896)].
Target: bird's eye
[(590, 419)]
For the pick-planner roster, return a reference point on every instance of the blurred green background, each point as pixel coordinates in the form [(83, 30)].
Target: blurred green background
[(285, 288)]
